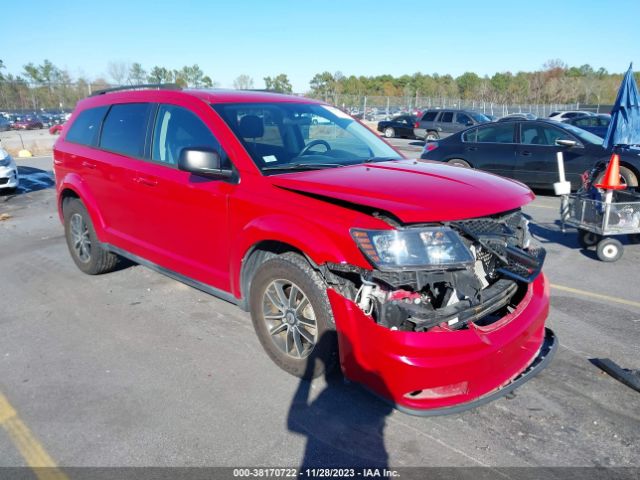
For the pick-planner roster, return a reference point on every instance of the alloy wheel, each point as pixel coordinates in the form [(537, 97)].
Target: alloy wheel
[(81, 241), (290, 319)]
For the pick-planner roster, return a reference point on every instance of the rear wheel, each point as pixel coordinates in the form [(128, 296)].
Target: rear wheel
[(627, 177), (588, 239), (389, 132), (458, 162), (609, 250), (292, 316), (85, 248), (431, 137)]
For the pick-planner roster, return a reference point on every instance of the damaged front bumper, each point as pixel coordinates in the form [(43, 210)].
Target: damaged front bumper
[(443, 371)]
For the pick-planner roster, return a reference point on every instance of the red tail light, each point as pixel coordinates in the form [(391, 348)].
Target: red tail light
[(416, 125), (430, 146)]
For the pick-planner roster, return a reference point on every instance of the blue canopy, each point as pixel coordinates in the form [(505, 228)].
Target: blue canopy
[(624, 128)]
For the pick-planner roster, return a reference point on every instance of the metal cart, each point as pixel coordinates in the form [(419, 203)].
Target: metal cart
[(597, 221)]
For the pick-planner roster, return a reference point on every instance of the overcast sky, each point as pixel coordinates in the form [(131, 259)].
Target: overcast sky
[(301, 38)]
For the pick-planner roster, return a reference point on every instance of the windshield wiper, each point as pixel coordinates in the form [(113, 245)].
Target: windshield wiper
[(379, 159), (302, 166)]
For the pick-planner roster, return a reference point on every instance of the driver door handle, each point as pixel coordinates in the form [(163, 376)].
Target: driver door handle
[(526, 153), (149, 182)]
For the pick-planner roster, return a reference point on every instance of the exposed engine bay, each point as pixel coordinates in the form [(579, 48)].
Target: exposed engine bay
[(488, 283)]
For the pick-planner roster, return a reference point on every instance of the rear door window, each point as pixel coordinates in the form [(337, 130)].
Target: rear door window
[(500, 133), (177, 128), (447, 117), (86, 128), (125, 128), (429, 116)]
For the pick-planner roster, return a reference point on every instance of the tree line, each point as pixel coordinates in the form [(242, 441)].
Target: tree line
[(47, 86), (555, 82)]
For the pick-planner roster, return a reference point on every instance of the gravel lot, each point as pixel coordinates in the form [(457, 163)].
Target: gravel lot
[(134, 369)]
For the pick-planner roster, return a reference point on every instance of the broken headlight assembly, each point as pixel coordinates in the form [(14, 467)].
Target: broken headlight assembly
[(414, 248), (449, 275)]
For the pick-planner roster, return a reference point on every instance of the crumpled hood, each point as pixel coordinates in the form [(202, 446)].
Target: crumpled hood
[(413, 191)]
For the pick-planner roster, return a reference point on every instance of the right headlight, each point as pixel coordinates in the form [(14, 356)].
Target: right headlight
[(428, 247)]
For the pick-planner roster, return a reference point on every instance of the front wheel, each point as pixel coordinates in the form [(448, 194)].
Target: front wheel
[(389, 132), (627, 177), (292, 316), (609, 250)]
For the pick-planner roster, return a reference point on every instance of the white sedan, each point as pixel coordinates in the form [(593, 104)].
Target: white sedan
[(8, 171)]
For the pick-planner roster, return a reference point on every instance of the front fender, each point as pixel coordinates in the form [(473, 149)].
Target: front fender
[(75, 183), (310, 239)]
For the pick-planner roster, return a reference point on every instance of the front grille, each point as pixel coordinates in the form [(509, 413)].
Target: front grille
[(4, 181), (503, 239)]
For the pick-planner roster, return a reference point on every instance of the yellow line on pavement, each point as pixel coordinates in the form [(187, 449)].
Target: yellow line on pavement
[(557, 207), (33, 453), (607, 298)]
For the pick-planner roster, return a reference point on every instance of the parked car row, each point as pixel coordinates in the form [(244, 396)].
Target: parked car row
[(525, 150), (30, 121)]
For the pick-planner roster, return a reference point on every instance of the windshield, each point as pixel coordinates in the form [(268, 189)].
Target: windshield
[(479, 117), (583, 134), (292, 136)]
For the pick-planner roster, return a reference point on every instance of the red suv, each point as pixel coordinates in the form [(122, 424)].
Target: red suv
[(417, 276)]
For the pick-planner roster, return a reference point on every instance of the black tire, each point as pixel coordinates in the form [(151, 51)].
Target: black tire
[(431, 136), (389, 132), (293, 268), (588, 239), (627, 177), (97, 259), (609, 250), (458, 162)]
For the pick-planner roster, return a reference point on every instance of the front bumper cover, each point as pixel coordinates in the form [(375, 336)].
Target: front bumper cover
[(444, 371)]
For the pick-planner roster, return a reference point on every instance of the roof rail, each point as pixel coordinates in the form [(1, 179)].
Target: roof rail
[(147, 86)]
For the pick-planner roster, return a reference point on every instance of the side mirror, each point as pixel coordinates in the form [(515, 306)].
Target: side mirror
[(204, 162), (565, 142), (469, 123)]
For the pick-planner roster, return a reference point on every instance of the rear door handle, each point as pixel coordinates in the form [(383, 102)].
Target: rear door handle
[(472, 149), (88, 164), (149, 182), (526, 153)]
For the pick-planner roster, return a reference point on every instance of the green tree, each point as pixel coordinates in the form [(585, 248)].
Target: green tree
[(279, 83), (160, 75), (137, 74), (468, 84)]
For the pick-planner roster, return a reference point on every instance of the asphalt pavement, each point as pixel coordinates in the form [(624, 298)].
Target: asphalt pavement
[(132, 368)]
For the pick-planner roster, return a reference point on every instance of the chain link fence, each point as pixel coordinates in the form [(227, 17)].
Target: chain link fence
[(371, 107)]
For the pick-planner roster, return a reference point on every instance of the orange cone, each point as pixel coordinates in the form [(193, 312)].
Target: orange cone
[(611, 180)]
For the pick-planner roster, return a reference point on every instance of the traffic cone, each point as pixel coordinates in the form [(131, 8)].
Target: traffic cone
[(611, 180)]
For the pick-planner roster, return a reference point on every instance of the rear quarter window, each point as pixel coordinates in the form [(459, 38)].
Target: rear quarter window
[(125, 129), (470, 135), (86, 128)]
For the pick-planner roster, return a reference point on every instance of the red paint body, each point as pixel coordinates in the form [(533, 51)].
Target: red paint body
[(204, 229)]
